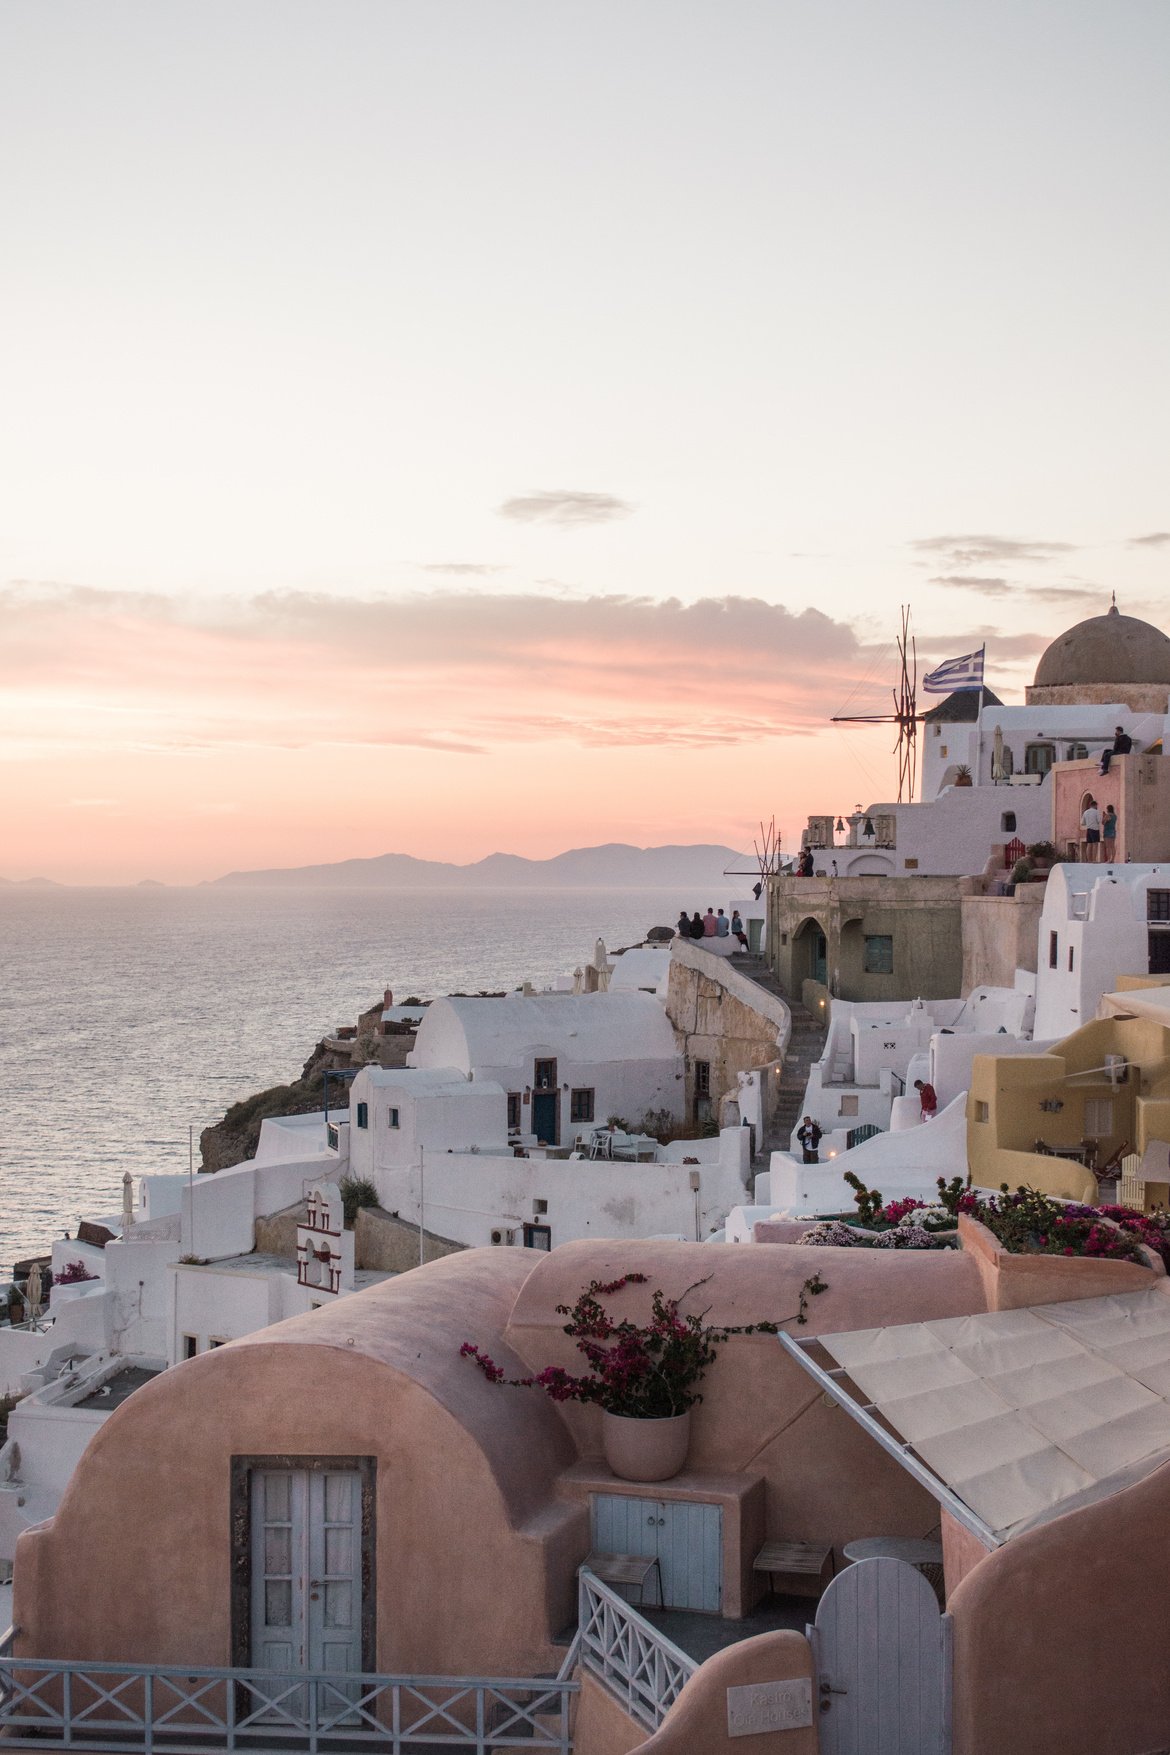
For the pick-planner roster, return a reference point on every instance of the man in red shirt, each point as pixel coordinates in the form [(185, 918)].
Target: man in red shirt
[(928, 1097)]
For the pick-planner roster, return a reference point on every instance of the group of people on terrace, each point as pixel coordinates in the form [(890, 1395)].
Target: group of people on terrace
[(712, 924), (1099, 832)]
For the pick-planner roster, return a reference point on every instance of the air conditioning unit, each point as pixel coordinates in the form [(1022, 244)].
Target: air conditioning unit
[(503, 1238)]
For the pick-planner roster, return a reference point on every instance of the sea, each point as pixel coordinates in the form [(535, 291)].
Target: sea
[(131, 1018)]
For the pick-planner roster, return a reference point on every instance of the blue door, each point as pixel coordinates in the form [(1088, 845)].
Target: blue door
[(544, 1116), (306, 1574)]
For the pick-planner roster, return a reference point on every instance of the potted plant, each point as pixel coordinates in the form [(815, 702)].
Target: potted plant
[(643, 1376), (963, 775)]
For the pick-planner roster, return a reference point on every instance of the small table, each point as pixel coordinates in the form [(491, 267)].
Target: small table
[(925, 1557), (626, 1569), (808, 1558), (914, 1553)]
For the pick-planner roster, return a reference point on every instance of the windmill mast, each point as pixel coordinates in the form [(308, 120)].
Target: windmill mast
[(904, 715)]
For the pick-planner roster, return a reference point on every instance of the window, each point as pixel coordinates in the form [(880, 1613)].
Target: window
[(1075, 752), (702, 1078), (982, 1112), (1071, 959), (1098, 1117), (942, 749), (1038, 758), (879, 954), (848, 1106), (1053, 949), (190, 1346), (1158, 905), (539, 1208), (363, 1115), (580, 1105), (513, 1112), (392, 1118), (910, 864), (544, 1076), (538, 1236), (1007, 822), (217, 1341)]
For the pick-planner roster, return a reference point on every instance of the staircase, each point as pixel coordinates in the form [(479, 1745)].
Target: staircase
[(805, 1047)]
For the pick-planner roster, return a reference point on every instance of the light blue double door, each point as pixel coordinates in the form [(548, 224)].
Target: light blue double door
[(684, 1536), (306, 1595)]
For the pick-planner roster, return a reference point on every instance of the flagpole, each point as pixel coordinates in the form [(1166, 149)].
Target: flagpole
[(979, 718)]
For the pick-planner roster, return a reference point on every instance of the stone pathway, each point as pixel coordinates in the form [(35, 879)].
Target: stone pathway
[(805, 1047)]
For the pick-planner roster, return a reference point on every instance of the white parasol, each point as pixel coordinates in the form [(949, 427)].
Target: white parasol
[(998, 771)]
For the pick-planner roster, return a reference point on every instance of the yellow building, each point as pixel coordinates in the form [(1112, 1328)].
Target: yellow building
[(1043, 1120)]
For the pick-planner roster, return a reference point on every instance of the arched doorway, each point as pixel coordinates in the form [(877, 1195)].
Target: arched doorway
[(809, 953)]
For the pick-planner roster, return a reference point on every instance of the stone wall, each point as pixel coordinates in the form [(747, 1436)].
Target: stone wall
[(381, 1241), (722, 1017), (919, 914), (1000, 935)]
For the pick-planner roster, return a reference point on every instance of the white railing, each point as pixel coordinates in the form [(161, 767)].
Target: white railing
[(48, 1704), (642, 1668)]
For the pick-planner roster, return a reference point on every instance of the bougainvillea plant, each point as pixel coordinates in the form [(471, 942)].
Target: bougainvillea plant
[(646, 1371)]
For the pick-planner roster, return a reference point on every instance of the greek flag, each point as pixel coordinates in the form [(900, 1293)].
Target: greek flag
[(956, 674)]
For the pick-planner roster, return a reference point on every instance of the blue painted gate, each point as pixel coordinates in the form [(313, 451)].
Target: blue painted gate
[(883, 1658)]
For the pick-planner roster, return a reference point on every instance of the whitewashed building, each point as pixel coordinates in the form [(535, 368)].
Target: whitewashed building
[(566, 1061), (1098, 922)]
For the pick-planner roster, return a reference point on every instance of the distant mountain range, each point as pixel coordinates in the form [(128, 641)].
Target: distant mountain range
[(613, 866)]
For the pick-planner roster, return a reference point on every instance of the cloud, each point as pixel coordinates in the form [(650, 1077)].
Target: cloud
[(995, 587), (455, 673), (564, 506), (461, 569), (960, 552), (1155, 539)]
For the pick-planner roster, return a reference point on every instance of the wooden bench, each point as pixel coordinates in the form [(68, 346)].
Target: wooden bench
[(627, 1569), (805, 1558)]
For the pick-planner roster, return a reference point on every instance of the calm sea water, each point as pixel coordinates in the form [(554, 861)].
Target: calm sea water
[(128, 1015)]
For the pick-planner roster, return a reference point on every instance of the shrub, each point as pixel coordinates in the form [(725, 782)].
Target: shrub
[(72, 1274), (646, 1371), (355, 1192)]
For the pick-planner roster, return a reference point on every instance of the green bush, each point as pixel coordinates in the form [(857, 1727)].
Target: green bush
[(355, 1192)]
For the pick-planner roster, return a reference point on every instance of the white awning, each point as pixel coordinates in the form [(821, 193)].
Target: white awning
[(1015, 1416)]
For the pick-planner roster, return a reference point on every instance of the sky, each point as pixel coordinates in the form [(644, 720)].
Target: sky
[(442, 426)]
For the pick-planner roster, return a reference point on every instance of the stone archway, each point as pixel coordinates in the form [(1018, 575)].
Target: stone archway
[(810, 953)]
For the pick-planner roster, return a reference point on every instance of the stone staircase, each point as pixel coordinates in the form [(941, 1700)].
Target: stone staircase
[(805, 1047)]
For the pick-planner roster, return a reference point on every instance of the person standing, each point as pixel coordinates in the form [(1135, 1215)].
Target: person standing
[(722, 925), (1109, 834), (1091, 830), (809, 1135), (709, 927), (927, 1098)]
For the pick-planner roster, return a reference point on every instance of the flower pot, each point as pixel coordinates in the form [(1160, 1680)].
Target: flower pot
[(645, 1450)]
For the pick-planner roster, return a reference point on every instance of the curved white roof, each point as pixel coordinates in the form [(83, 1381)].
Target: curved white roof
[(578, 1027)]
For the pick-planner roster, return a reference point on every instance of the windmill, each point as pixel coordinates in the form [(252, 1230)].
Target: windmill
[(904, 715)]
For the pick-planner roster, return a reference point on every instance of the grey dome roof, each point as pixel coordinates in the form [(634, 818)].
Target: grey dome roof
[(1109, 648)]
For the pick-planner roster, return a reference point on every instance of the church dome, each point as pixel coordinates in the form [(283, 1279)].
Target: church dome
[(1109, 648)]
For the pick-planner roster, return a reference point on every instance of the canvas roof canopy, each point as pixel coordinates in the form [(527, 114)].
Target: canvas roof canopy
[(1013, 1417)]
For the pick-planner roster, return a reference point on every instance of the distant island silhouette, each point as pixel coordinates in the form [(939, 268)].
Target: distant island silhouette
[(616, 865)]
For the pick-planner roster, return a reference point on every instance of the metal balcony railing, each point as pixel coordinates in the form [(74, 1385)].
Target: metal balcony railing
[(638, 1664), (49, 1704)]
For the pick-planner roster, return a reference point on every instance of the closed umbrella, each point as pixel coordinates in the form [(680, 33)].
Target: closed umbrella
[(32, 1293), (998, 771)]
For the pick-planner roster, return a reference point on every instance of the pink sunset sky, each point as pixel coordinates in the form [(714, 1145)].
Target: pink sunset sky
[(442, 429)]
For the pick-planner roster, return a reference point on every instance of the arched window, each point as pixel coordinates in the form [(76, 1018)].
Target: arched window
[(1007, 822)]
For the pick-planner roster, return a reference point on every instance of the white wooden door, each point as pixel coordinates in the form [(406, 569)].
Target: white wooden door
[(883, 1663), (306, 1609), (686, 1538)]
